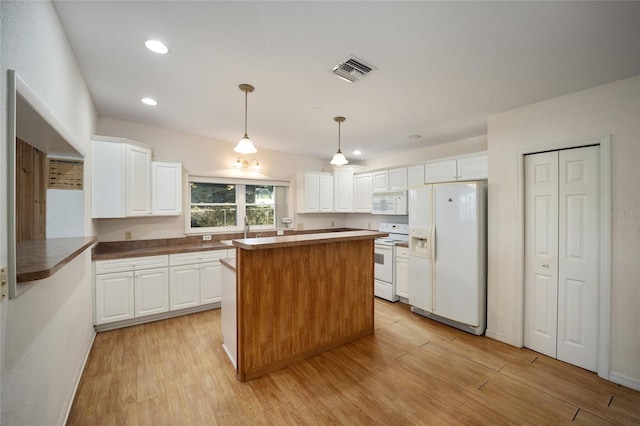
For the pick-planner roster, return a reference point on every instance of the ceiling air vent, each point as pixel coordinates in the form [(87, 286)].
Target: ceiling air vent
[(352, 69)]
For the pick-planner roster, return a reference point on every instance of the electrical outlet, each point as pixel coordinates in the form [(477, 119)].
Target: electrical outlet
[(300, 226), (369, 225), (279, 232), (127, 235), (206, 238), (331, 224), (3, 283)]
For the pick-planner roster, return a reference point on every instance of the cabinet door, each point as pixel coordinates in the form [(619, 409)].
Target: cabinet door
[(308, 192), (343, 190), (362, 185), (114, 297), (381, 181), (476, 167), (108, 179), (325, 194), (402, 277), (166, 183), (138, 181), (398, 179), (184, 287), (151, 291), (415, 176), (210, 282), (441, 171)]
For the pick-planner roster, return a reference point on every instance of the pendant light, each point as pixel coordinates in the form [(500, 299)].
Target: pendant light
[(339, 158), (245, 146)]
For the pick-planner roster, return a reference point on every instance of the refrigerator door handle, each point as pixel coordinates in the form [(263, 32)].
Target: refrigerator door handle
[(433, 245)]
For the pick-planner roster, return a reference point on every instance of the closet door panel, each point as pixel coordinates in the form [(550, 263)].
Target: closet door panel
[(579, 254), (541, 252)]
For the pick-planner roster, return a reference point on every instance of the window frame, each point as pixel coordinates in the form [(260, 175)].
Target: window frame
[(241, 204)]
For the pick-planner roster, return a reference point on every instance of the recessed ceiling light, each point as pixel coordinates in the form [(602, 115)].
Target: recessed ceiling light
[(149, 101), (414, 138), (357, 152), (156, 46)]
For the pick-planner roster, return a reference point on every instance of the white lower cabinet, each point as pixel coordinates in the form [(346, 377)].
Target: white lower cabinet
[(114, 297), (151, 291), (184, 288), (136, 287), (195, 278), (210, 282), (402, 272), (130, 288)]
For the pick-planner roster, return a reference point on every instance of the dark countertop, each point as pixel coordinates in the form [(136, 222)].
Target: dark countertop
[(38, 259), (103, 251), (137, 248), (305, 239)]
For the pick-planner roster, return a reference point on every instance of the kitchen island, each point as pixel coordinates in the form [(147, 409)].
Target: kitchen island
[(300, 295)]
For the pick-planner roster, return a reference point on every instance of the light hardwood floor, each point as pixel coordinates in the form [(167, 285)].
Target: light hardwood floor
[(411, 371)]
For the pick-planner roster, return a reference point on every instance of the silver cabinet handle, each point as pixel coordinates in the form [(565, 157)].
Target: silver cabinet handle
[(545, 265)]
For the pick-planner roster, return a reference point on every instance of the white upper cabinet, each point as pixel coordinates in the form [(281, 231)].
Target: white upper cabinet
[(463, 168), (314, 192), (362, 189), (475, 167), (126, 183), (390, 180), (166, 188), (398, 179), (343, 190), (138, 181), (108, 179), (326, 193), (441, 171), (121, 178), (381, 181)]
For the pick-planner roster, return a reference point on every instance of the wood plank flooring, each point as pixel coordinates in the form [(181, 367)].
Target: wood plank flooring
[(410, 371)]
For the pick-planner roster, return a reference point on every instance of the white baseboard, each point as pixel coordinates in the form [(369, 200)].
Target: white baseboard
[(499, 337), (76, 379), (623, 380)]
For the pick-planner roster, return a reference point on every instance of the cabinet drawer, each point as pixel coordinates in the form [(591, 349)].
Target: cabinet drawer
[(196, 257), (131, 264), (402, 252)]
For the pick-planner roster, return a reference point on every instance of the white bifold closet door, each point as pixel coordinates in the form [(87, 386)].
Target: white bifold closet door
[(562, 254)]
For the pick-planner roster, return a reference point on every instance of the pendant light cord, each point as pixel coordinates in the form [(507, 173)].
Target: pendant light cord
[(339, 123), (245, 114)]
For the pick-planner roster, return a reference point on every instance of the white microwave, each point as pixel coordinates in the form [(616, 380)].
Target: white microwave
[(389, 203)]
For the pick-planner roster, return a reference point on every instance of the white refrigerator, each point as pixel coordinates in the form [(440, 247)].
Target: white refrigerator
[(447, 253)]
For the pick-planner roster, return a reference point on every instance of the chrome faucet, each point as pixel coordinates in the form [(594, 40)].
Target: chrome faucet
[(246, 227)]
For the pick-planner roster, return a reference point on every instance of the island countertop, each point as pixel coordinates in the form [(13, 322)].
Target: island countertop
[(305, 239)]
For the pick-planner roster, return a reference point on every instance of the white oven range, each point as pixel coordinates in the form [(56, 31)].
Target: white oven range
[(385, 259)]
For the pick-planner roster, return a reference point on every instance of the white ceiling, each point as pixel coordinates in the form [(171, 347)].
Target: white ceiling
[(443, 67)]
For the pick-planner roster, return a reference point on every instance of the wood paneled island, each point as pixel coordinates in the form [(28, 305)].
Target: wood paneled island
[(300, 295)]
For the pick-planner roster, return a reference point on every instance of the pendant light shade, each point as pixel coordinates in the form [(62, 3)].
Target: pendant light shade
[(339, 158), (245, 146)]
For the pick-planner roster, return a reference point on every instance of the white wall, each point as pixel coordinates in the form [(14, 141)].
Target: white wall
[(208, 157), (47, 331), (202, 157), (430, 153), (612, 109)]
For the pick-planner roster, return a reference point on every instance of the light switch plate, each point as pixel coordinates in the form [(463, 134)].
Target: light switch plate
[(206, 238)]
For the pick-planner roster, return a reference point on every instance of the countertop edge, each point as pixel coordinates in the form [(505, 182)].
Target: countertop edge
[(52, 265), (159, 251), (307, 239), (229, 262)]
